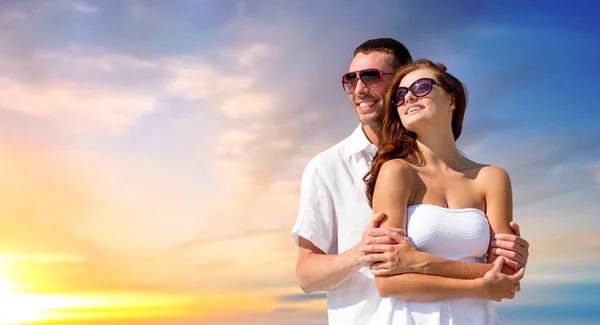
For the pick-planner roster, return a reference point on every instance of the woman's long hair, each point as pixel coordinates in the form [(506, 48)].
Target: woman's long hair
[(395, 141)]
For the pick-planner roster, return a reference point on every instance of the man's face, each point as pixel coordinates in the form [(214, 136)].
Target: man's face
[(368, 102)]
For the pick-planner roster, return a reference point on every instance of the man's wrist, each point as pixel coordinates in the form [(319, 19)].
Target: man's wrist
[(421, 264), (351, 258)]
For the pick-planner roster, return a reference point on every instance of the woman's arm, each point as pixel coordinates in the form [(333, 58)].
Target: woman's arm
[(497, 191), (391, 196), (403, 257)]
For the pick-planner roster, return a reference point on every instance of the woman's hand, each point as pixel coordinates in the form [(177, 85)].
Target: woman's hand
[(498, 286)]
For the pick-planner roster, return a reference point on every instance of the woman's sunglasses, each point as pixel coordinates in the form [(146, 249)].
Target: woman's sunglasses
[(372, 78), (420, 88)]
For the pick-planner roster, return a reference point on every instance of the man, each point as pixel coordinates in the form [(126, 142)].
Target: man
[(333, 222)]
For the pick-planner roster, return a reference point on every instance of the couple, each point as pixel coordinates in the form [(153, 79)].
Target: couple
[(395, 224)]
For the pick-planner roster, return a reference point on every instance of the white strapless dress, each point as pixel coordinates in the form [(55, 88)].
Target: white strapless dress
[(457, 234)]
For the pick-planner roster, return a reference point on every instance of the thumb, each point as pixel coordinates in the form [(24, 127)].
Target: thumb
[(515, 228), (376, 219), (498, 264), (519, 275), (394, 235)]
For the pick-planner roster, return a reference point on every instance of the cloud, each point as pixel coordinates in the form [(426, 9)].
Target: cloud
[(199, 80), (81, 89), (85, 8), (595, 172), (7, 17), (84, 108), (254, 55), (295, 298)]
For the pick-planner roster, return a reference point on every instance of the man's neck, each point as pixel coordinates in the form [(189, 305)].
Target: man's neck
[(371, 133)]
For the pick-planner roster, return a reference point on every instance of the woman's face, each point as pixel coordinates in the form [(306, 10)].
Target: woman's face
[(431, 105)]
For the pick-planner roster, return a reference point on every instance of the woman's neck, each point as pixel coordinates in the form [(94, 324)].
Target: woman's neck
[(439, 148)]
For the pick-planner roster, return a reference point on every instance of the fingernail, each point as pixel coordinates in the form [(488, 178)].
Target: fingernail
[(493, 242), (494, 250)]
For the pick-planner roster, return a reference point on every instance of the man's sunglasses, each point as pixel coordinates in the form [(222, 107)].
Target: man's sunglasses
[(420, 88), (372, 78)]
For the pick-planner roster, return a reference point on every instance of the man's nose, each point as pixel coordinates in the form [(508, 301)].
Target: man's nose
[(361, 88)]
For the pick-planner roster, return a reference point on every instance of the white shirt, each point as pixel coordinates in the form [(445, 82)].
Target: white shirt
[(333, 215)]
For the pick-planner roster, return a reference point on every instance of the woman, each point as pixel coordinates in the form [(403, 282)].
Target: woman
[(449, 205)]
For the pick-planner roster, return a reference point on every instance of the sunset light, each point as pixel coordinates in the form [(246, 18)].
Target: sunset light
[(21, 306), (16, 308)]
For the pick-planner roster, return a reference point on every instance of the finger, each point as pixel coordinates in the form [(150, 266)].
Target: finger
[(400, 231), (512, 264), (510, 296), (395, 236), (373, 258), (380, 266), (376, 248), (511, 255), (374, 266), (512, 246), (517, 287), (516, 229), (378, 232), (381, 272), (376, 219), (498, 264), (519, 275), (506, 253), (380, 240), (513, 238)]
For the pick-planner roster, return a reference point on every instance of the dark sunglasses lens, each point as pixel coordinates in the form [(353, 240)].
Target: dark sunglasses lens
[(400, 94), (422, 87), (349, 81), (370, 77)]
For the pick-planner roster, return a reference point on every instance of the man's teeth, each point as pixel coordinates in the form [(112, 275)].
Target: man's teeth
[(365, 104), (412, 109)]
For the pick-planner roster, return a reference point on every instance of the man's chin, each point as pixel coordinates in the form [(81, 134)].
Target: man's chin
[(372, 119)]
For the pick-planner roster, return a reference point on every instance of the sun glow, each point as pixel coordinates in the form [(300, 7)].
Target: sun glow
[(20, 304), (15, 308)]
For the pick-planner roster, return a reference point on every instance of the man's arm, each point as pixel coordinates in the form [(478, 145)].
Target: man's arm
[(317, 271), (314, 232)]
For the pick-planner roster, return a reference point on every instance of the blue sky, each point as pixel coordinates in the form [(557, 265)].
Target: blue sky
[(174, 133)]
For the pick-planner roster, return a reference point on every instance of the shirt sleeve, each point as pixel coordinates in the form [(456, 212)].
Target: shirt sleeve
[(316, 215)]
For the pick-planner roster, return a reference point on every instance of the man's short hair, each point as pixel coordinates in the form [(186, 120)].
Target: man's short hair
[(388, 45)]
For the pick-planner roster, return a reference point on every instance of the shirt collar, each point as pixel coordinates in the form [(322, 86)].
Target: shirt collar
[(359, 143)]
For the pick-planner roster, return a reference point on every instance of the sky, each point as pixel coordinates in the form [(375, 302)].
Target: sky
[(151, 151)]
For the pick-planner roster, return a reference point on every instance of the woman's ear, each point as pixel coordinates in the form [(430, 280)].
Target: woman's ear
[(452, 102)]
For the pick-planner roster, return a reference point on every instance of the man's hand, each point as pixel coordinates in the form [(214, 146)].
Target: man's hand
[(513, 248), (398, 258), (374, 234)]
